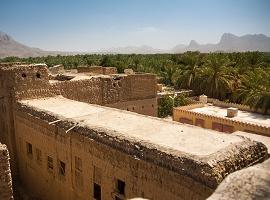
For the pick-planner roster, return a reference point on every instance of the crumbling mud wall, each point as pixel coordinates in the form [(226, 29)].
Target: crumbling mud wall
[(105, 156), (89, 90), (6, 192), (145, 106), (26, 81), (136, 93), (97, 70)]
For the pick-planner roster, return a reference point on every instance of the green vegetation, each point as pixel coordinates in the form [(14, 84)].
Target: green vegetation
[(166, 104), (236, 77)]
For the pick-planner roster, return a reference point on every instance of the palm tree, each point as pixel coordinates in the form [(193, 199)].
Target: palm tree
[(185, 76), (254, 60), (255, 89), (167, 72), (215, 77)]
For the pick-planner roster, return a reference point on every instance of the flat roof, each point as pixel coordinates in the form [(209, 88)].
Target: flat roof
[(170, 135), (243, 116), (260, 138)]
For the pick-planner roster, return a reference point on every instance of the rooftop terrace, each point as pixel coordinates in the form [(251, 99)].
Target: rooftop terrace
[(171, 135), (243, 116), (205, 155)]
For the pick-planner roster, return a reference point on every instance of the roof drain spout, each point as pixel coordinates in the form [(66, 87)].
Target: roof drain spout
[(55, 121), (71, 128)]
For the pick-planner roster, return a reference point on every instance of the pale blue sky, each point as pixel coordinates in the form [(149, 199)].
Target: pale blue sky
[(85, 25)]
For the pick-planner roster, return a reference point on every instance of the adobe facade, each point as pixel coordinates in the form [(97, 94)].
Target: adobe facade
[(92, 151), (215, 116), (65, 144)]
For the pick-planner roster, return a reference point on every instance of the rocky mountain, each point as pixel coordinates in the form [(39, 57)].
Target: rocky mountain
[(227, 43), (230, 43), (10, 47)]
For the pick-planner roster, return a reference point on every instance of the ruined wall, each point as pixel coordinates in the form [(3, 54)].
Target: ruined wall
[(109, 70), (57, 69), (145, 106), (231, 125), (99, 163), (89, 90), (26, 81), (6, 192), (97, 70), (136, 93), (32, 81)]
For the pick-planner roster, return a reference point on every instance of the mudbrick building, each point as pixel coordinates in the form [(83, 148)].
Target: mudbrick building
[(68, 139)]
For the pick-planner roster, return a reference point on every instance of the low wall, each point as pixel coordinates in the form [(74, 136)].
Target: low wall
[(97, 70), (243, 107), (145, 106)]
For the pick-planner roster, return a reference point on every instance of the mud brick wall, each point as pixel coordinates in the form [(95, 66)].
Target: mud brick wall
[(109, 90), (109, 70), (147, 170), (5, 174), (142, 178), (89, 90), (143, 85), (98, 70)]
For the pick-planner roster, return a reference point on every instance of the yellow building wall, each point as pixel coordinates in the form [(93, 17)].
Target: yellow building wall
[(100, 163)]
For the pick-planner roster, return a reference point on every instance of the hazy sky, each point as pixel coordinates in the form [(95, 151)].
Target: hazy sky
[(85, 25)]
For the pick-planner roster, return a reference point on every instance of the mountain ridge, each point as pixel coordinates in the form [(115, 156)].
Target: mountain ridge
[(231, 43), (227, 43)]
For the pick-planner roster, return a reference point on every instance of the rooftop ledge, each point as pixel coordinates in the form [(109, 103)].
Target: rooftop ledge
[(204, 155)]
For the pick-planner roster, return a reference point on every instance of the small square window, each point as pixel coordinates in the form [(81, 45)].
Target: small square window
[(62, 168), (29, 149), (50, 163), (120, 186)]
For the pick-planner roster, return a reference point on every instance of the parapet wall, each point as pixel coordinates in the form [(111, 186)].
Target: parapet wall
[(243, 107), (6, 192)]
